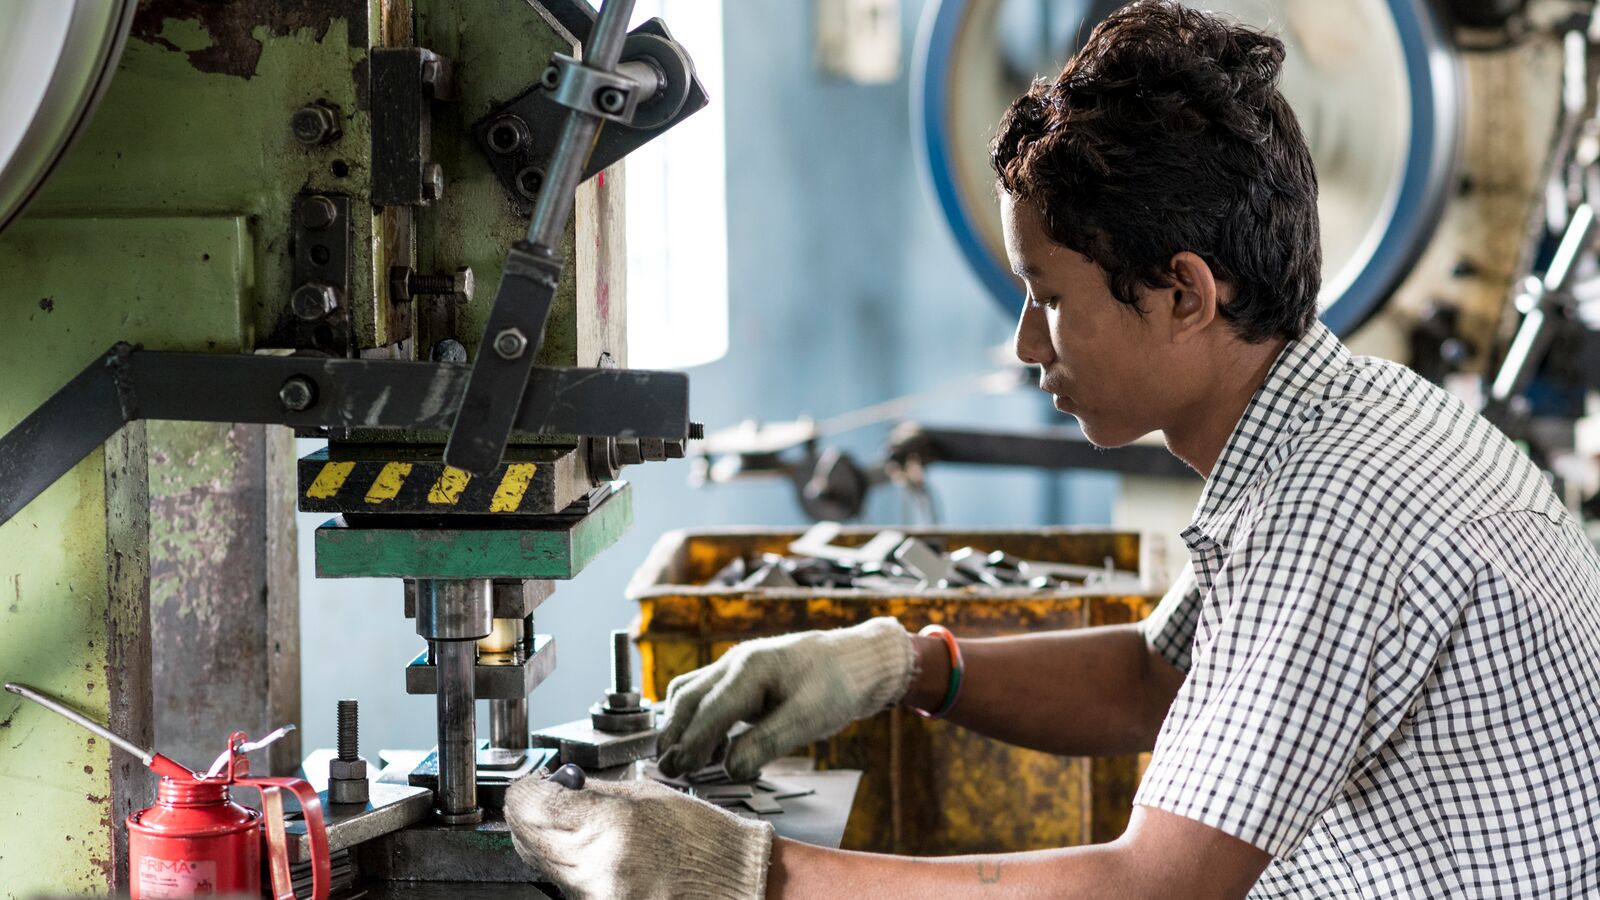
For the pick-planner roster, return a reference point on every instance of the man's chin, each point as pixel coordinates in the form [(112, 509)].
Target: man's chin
[(1102, 436)]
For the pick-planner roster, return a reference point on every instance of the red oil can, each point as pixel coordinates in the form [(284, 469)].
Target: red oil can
[(197, 842)]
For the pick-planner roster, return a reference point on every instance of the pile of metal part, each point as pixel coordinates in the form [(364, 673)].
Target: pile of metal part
[(753, 798), (893, 562)]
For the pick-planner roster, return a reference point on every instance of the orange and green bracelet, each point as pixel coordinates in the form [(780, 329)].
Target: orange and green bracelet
[(957, 670)]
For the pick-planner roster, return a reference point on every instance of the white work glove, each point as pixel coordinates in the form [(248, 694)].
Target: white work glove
[(793, 689), (636, 841)]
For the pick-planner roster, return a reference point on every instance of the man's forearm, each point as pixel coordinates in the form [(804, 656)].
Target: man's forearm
[(1085, 692), (803, 872)]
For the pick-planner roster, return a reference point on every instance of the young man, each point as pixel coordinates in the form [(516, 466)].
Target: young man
[(1381, 676)]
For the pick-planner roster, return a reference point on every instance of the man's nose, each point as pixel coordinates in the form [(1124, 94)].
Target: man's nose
[(1032, 340)]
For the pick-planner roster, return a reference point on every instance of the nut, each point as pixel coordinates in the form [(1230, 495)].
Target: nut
[(313, 301), (616, 702), (652, 449), (621, 722), (347, 769), (315, 124), (510, 343), (297, 394), (628, 452)]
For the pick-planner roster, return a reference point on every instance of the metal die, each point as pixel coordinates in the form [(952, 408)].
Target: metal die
[(580, 742), (495, 676)]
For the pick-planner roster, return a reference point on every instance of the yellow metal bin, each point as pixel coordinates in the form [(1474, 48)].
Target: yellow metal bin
[(930, 788)]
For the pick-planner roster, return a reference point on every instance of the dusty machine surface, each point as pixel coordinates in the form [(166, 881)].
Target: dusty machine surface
[(395, 225)]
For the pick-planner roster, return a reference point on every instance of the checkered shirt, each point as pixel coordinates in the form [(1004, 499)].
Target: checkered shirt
[(1391, 630)]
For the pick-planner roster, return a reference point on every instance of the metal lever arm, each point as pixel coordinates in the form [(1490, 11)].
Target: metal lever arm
[(127, 384), (515, 329)]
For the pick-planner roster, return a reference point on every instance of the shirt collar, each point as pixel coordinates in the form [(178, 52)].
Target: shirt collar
[(1300, 375)]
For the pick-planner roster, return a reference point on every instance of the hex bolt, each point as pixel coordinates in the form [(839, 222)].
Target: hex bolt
[(349, 730), (621, 663), (551, 78), (409, 283), (297, 394), (315, 124), (317, 213), (510, 343), (313, 301), (347, 771), (432, 181)]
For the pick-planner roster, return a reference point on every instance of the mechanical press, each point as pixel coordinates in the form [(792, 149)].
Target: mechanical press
[(329, 188)]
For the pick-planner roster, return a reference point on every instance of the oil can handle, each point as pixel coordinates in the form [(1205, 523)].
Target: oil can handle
[(277, 841)]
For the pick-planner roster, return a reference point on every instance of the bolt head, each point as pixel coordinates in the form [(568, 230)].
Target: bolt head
[(465, 284), (529, 180), (297, 394), (314, 124), (610, 100), (551, 78), (653, 449), (314, 301), (432, 181), (317, 213), (449, 350), (510, 343), (508, 134)]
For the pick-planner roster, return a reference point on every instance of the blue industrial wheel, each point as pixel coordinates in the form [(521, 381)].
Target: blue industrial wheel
[(1398, 231)]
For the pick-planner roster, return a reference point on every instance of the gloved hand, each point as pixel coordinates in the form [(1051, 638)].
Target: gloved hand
[(636, 840), (792, 689)]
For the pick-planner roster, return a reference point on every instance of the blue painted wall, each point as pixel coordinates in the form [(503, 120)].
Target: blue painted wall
[(845, 291)]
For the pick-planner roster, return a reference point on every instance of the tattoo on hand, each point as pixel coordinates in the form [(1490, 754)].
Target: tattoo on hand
[(988, 876)]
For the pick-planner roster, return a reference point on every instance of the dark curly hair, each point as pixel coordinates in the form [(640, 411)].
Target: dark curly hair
[(1166, 133)]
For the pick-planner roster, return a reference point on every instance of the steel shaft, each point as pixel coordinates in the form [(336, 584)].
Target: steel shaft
[(453, 616)]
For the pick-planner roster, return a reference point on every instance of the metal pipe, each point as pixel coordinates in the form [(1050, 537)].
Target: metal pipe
[(554, 207), (456, 798), (453, 616), (508, 724)]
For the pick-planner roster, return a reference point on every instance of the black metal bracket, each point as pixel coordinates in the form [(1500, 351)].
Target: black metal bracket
[(518, 142), (405, 82), (127, 384), (317, 315)]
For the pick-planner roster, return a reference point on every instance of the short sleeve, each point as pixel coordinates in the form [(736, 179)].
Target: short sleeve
[(1283, 701), (1169, 629)]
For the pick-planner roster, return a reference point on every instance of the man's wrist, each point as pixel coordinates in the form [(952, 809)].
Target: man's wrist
[(932, 681)]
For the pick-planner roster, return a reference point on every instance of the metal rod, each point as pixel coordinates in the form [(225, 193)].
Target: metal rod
[(72, 715), (508, 724), (565, 171), (456, 800)]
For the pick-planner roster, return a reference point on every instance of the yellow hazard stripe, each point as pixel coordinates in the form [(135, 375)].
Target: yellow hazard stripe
[(508, 496), (447, 490), (388, 482), (329, 480)]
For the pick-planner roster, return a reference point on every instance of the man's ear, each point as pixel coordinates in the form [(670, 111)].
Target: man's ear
[(1193, 296)]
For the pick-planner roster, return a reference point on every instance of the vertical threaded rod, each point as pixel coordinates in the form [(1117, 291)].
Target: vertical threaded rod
[(621, 663), (348, 740)]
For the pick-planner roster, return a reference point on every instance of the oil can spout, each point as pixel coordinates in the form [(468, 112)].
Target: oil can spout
[(157, 763)]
